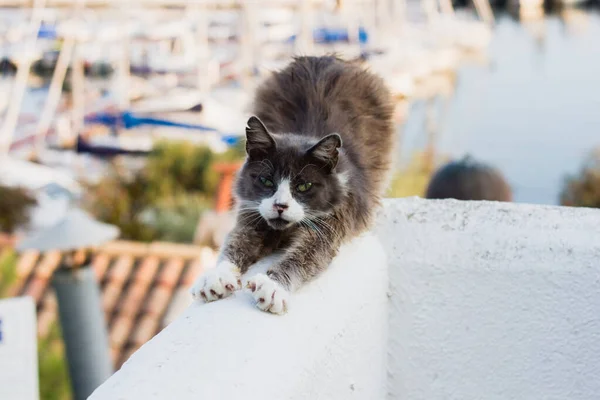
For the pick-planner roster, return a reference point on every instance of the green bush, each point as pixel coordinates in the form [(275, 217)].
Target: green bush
[(165, 198), (175, 167), (412, 179), (121, 200), (15, 204), (8, 272), (583, 189), (174, 219), (53, 370)]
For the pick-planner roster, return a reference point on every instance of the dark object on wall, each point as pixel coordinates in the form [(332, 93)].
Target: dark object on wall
[(15, 207), (83, 146), (98, 69), (468, 180), (44, 67), (7, 67), (583, 189)]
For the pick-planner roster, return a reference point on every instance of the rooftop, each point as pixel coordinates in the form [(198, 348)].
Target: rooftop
[(144, 287)]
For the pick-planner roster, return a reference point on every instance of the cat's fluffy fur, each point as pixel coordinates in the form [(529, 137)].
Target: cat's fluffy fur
[(320, 123)]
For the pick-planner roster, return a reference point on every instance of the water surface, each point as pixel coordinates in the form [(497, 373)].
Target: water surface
[(535, 112)]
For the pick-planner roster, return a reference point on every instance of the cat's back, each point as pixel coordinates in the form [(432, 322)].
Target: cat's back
[(317, 96), (321, 95)]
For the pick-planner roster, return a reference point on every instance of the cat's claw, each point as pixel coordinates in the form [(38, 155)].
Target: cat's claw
[(217, 283), (270, 296)]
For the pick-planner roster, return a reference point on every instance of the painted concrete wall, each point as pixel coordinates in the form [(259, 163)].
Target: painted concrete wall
[(493, 301), (487, 301), (330, 345), (18, 350)]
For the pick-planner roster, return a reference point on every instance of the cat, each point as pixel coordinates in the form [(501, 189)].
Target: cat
[(319, 150)]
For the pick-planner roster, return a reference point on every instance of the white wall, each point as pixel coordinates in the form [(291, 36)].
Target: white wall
[(493, 301), (18, 350), (330, 345), (488, 301)]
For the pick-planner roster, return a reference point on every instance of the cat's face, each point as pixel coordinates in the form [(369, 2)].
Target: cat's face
[(289, 179)]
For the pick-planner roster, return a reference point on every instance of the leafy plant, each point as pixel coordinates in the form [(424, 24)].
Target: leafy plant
[(121, 200), (165, 198), (411, 180), (15, 204), (175, 219), (583, 189), (175, 167), (53, 372), (8, 273)]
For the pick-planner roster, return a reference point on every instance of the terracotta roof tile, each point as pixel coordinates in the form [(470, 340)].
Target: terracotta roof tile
[(180, 300), (171, 273), (100, 265), (121, 328), (120, 271), (138, 281), (193, 271), (6, 240), (115, 355), (121, 247), (158, 301), (137, 292), (27, 262), (45, 319), (25, 266), (145, 331), (43, 272), (47, 313), (126, 353), (49, 263), (169, 250), (147, 270), (49, 301), (36, 288), (110, 296), (116, 278)]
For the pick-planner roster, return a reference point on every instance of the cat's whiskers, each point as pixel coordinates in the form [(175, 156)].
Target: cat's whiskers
[(310, 225), (250, 220), (318, 221), (247, 209)]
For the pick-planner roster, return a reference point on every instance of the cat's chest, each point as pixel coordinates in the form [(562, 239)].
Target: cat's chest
[(276, 240)]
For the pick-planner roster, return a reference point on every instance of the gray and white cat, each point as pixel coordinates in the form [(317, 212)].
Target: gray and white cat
[(318, 154)]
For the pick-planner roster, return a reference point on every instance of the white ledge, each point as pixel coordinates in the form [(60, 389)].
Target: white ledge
[(487, 301), (323, 348), (493, 301)]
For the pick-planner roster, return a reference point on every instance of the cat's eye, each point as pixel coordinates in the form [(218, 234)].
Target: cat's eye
[(303, 187), (267, 182)]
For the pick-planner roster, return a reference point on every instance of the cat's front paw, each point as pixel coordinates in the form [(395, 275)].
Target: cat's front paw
[(217, 283), (270, 296)]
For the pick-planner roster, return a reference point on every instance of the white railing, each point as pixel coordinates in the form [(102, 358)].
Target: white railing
[(486, 301)]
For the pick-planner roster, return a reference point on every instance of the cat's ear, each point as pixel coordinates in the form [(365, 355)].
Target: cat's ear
[(326, 150), (258, 140)]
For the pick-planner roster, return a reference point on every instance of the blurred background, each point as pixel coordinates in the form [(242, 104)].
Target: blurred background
[(121, 128)]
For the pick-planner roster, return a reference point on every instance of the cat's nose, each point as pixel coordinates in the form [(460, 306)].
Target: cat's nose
[(280, 207)]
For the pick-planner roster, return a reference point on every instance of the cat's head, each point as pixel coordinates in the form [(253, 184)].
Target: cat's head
[(289, 179)]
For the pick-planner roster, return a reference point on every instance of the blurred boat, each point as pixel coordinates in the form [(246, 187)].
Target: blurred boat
[(110, 146), (175, 100)]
